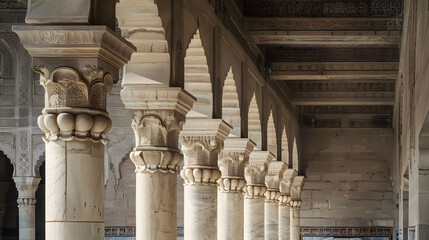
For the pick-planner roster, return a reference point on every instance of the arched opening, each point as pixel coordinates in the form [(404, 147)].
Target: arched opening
[(271, 135), (40, 204), (285, 147), (8, 198), (295, 157), (255, 130), (197, 79), (141, 25), (231, 105)]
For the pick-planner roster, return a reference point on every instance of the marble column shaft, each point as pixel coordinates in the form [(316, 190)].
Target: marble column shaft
[(202, 141), (284, 221), (75, 120), (255, 172), (232, 161), (159, 113), (284, 203), (295, 222), (27, 187), (272, 181)]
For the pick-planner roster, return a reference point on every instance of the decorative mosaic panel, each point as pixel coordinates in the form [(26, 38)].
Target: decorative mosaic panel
[(128, 233), (323, 8), (282, 54), (365, 233)]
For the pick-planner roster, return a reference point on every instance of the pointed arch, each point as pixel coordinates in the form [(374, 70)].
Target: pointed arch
[(271, 135), (141, 24), (254, 122), (231, 105), (285, 147), (295, 156), (197, 79)]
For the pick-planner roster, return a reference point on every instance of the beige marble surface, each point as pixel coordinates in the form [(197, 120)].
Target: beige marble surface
[(254, 218), (295, 223), (156, 211), (230, 215), (271, 220), (200, 212), (284, 222)]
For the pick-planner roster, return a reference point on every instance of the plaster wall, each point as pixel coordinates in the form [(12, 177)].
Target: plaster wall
[(347, 178)]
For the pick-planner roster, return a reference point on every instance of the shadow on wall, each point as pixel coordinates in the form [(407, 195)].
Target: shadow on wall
[(8, 204)]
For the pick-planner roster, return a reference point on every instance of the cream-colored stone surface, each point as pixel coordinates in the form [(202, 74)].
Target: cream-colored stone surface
[(271, 220), (284, 222), (295, 223)]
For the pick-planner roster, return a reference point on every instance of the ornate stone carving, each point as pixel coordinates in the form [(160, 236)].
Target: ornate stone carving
[(68, 127), (158, 118), (272, 180), (26, 202), (285, 184), (64, 87), (339, 109), (296, 190), (333, 66), (295, 203), (7, 146), (26, 187), (202, 141), (204, 176), (97, 42), (24, 155), (338, 86), (231, 163), (255, 173)]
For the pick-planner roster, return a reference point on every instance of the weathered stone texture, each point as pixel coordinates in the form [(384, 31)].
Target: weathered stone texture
[(347, 180)]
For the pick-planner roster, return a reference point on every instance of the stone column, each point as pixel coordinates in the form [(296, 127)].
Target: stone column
[(295, 207), (158, 116), (295, 210), (27, 187), (78, 65), (255, 173), (284, 203), (232, 161), (272, 195), (202, 141)]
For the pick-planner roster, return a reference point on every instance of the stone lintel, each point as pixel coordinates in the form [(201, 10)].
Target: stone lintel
[(235, 156), (76, 41), (274, 175), (257, 168), (142, 97)]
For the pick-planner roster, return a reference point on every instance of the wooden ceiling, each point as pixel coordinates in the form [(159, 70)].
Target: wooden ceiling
[(336, 61)]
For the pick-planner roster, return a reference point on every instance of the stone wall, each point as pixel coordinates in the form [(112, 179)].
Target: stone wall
[(348, 178)]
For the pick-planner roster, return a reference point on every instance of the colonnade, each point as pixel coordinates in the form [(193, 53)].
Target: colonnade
[(231, 190)]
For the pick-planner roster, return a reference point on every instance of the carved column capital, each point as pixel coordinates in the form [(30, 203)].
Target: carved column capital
[(235, 156), (296, 188), (256, 170), (255, 191), (272, 196), (26, 187), (285, 199), (158, 117), (295, 204), (202, 141), (274, 174), (285, 184), (231, 185)]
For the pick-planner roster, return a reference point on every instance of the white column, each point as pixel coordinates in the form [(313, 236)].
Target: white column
[(255, 173), (284, 221), (27, 187), (272, 181), (295, 220), (284, 203), (202, 141), (159, 113), (78, 65), (295, 206), (232, 161)]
